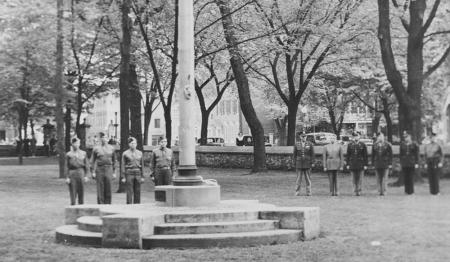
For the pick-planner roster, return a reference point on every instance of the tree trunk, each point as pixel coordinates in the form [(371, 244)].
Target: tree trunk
[(20, 142), (168, 119), (135, 107), (387, 117), (149, 100), (79, 111), (259, 150), (59, 92), (292, 122), (124, 82), (204, 128), (376, 121)]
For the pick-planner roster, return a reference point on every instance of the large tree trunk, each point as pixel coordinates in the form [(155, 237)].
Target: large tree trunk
[(204, 127), (59, 92), (292, 122), (259, 150), (135, 107), (124, 82), (387, 117), (68, 123), (148, 111), (168, 119), (376, 122)]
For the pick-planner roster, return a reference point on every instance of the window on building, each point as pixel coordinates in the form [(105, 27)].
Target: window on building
[(235, 107), (2, 135), (354, 108), (155, 139), (228, 107), (362, 109), (157, 123), (222, 108)]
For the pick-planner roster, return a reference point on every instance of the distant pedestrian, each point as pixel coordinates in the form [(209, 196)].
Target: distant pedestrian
[(304, 161), (162, 164), (77, 170), (103, 161), (409, 160), (240, 139), (133, 170), (434, 159), (382, 161), (333, 161), (52, 144), (356, 159)]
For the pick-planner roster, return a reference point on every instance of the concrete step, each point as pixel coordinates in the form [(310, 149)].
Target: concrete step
[(242, 239), (71, 234), (90, 223), (205, 216), (216, 227)]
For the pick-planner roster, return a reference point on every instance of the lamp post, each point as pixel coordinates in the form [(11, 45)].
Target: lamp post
[(115, 126)]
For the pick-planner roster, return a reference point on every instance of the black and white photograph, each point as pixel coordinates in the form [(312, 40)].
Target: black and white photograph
[(225, 130)]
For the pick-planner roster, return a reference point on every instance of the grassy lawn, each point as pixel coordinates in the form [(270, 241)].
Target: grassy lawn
[(407, 228)]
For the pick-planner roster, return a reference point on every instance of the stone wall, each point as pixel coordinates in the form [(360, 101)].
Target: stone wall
[(278, 158)]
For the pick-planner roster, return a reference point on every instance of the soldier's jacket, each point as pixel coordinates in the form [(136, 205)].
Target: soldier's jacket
[(132, 162), (77, 160), (433, 154), (409, 154), (356, 157), (382, 155), (103, 155), (333, 157), (304, 155), (162, 158)]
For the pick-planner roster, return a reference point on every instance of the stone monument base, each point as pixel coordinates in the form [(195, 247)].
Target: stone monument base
[(187, 196), (229, 223)]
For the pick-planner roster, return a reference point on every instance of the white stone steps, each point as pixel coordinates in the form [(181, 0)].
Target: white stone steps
[(90, 223), (241, 239), (216, 227), (73, 235), (211, 216)]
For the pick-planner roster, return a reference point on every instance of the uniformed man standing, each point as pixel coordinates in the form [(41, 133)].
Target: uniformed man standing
[(382, 161), (133, 170), (103, 162), (434, 159), (162, 164), (409, 160), (77, 170), (333, 160), (304, 161), (356, 159)]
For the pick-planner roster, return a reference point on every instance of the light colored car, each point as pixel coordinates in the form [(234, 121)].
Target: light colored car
[(320, 138), (215, 141)]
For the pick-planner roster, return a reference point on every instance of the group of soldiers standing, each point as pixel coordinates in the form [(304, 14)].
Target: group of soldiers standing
[(102, 168), (356, 161)]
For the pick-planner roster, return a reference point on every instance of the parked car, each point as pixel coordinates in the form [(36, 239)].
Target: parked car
[(215, 141), (248, 141), (320, 138), (344, 140)]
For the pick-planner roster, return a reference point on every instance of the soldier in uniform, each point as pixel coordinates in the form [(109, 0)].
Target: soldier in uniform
[(356, 159), (304, 161), (77, 169), (103, 161), (162, 164), (382, 161), (433, 159), (133, 170), (333, 160), (409, 160)]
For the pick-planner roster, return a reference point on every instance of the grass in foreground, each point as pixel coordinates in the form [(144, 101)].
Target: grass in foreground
[(408, 228)]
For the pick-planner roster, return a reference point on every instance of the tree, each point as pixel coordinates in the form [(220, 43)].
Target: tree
[(259, 151), (306, 35), (409, 93)]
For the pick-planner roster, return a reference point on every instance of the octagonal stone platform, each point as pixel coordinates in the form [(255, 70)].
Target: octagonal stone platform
[(231, 223)]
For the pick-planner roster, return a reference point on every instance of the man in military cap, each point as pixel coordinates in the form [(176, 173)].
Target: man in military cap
[(162, 164), (382, 161), (409, 160), (304, 161), (433, 162), (356, 159)]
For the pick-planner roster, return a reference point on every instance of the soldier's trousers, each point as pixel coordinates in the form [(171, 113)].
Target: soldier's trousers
[(433, 178), (103, 178), (408, 175), (357, 177), (133, 186), (307, 174), (382, 175), (332, 176), (163, 177), (76, 188)]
